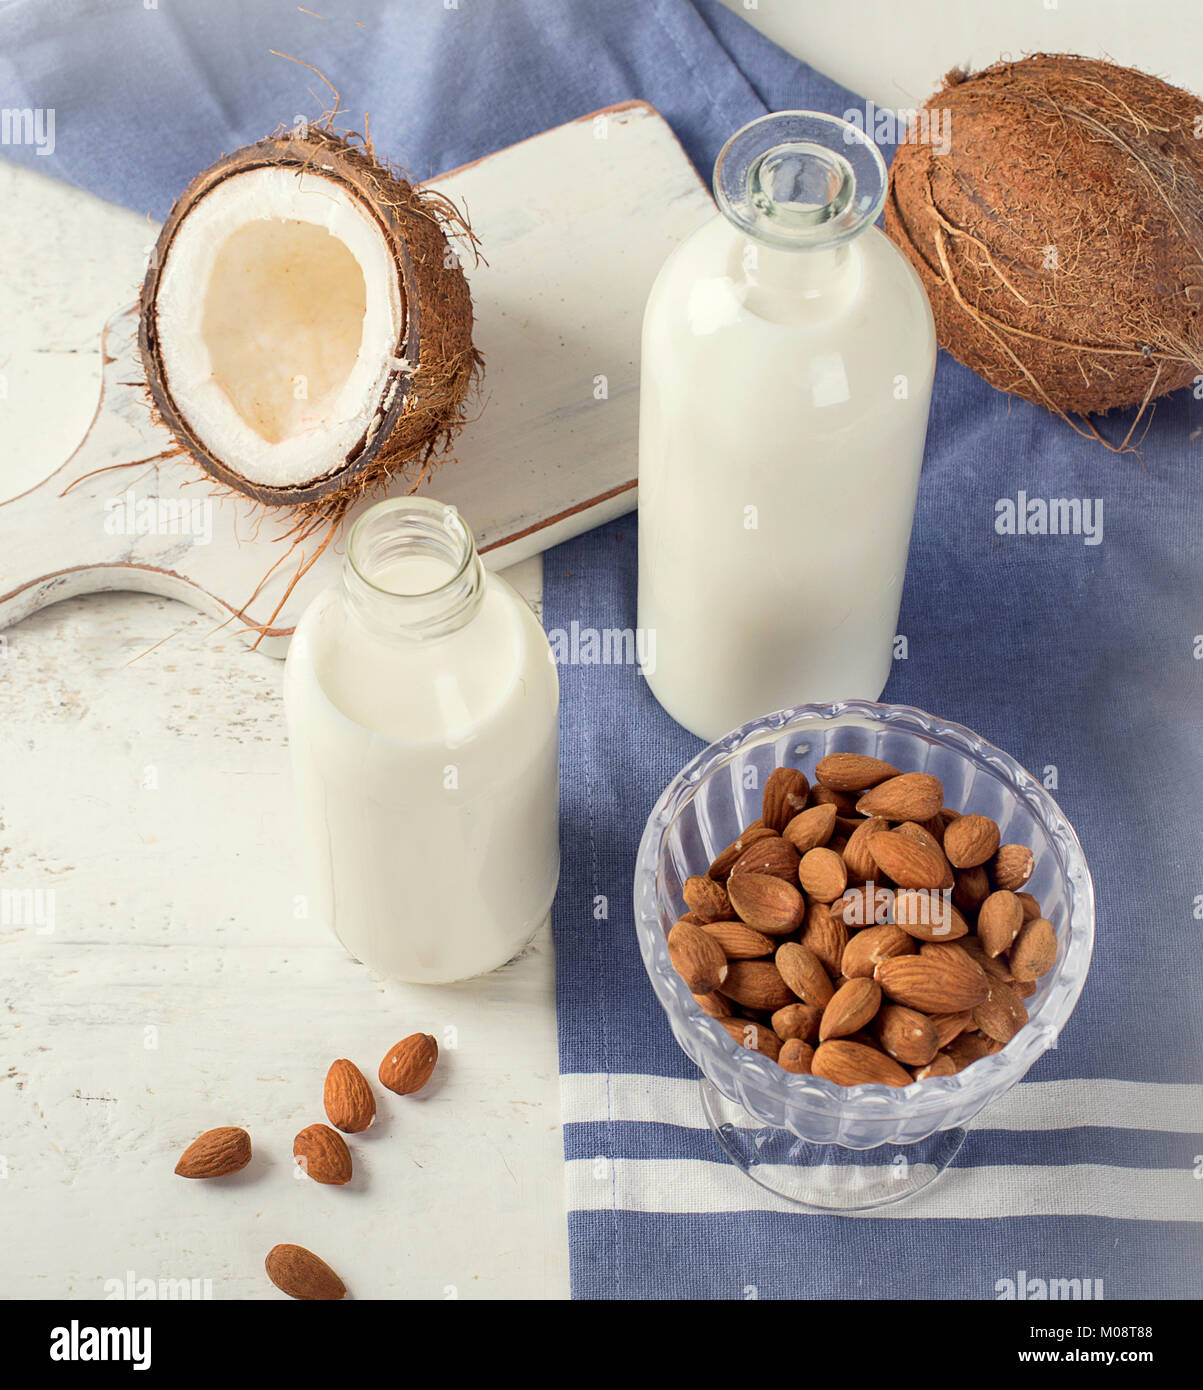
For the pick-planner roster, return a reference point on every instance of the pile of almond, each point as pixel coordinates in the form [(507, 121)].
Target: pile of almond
[(862, 931)]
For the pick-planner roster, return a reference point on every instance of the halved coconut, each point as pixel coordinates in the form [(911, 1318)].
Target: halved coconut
[(306, 330)]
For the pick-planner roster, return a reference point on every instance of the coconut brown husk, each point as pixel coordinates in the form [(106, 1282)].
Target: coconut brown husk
[(1100, 163), (423, 406)]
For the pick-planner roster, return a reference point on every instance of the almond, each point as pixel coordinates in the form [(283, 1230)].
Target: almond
[(1002, 1014), (907, 1035), (843, 802), (300, 1274), (769, 854), (860, 863), (407, 1066), (799, 1021), (1024, 988), (1035, 950), (753, 1036), (910, 863), (928, 915), (1031, 908), (721, 865), (934, 826), (994, 966), (216, 1154), (952, 953), (969, 1048), (822, 874), (910, 796), (691, 919), (998, 922), (851, 1007), (825, 936), (853, 1064), (803, 972), (926, 836), (970, 840), (874, 944), (954, 958), (852, 772), (784, 796), (810, 829), (940, 1065), (350, 1104), (1012, 866), (971, 889), (715, 1005), (706, 899), (796, 1056), (950, 1026), (933, 985), (740, 942), (322, 1153), (870, 905), (766, 903), (697, 957), (757, 985)]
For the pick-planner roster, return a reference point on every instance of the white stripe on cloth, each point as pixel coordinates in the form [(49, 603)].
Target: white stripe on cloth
[(681, 1186), (595, 1097)]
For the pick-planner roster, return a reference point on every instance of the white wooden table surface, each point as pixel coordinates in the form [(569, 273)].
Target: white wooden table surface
[(161, 983), (143, 783)]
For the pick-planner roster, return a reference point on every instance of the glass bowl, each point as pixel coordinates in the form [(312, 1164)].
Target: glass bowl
[(794, 1133)]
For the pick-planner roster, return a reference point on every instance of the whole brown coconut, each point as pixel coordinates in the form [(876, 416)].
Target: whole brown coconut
[(1061, 237)]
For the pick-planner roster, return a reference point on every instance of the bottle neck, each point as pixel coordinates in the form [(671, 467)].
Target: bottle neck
[(411, 572), (794, 287), (798, 187)]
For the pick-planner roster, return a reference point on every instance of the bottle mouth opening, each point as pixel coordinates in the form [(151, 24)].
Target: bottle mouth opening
[(800, 180), (388, 585), (800, 185), (409, 528)]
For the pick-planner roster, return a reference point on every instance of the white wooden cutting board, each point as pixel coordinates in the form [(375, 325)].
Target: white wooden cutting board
[(574, 224)]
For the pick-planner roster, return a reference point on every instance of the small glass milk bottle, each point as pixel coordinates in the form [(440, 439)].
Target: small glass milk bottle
[(422, 705), (788, 353)]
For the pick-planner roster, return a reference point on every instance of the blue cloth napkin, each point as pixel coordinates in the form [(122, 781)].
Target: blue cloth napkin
[(146, 93), (1082, 657)]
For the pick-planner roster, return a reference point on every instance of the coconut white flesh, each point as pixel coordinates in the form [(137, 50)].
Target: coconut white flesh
[(279, 313)]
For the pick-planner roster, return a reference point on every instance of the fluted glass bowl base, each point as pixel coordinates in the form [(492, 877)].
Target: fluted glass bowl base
[(826, 1177)]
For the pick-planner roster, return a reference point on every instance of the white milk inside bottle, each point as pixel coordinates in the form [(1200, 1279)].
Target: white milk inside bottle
[(422, 708), (788, 353)]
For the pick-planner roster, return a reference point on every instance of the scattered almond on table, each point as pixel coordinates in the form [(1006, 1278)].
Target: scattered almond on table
[(321, 1151), (407, 1067), (216, 1154), (862, 931), (301, 1274), (323, 1154), (350, 1104)]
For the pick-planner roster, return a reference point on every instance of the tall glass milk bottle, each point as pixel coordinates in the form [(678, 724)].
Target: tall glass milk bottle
[(422, 702), (788, 352)]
